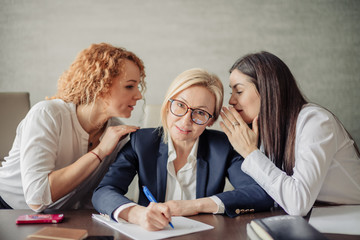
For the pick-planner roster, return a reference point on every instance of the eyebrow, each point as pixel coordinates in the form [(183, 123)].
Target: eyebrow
[(236, 85), (132, 80), (182, 99)]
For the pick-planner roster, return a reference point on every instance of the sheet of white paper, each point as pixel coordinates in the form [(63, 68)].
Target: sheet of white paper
[(343, 219), (182, 226)]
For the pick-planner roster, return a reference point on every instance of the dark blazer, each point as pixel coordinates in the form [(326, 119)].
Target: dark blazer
[(147, 155)]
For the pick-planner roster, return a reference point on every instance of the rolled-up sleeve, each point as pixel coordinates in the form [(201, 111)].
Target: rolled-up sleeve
[(39, 143)]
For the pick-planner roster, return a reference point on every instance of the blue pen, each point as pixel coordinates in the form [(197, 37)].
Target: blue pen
[(151, 198)]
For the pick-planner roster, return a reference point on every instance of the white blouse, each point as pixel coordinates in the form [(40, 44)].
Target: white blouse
[(49, 138), (327, 167), (181, 185)]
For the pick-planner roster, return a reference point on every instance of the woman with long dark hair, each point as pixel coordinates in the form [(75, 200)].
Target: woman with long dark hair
[(299, 152)]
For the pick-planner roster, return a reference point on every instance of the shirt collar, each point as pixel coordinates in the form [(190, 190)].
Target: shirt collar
[(192, 156)]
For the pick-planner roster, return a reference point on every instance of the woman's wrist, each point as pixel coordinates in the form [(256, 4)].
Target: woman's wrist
[(132, 214), (249, 151), (205, 205), (97, 156), (98, 153)]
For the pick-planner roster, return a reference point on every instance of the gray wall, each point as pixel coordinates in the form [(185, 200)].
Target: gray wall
[(319, 40)]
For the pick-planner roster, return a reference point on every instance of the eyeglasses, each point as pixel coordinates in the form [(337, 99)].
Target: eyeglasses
[(198, 116)]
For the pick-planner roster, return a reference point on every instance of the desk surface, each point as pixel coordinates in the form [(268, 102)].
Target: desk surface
[(225, 227)]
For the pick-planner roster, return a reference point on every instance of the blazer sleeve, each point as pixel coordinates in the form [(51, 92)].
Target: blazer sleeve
[(109, 195), (247, 195)]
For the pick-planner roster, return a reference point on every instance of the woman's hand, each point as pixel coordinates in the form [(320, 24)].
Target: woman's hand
[(191, 207), (182, 207), (111, 138), (242, 138), (154, 217)]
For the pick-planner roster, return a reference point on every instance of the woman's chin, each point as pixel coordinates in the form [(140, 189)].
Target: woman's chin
[(247, 119), (124, 115)]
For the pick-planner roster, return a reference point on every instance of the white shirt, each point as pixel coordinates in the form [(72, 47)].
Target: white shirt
[(180, 186), (49, 138), (327, 167)]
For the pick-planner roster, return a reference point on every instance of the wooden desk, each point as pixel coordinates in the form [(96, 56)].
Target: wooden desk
[(225, 227)]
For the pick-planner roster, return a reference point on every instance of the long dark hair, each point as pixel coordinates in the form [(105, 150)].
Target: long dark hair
[(281, 102)]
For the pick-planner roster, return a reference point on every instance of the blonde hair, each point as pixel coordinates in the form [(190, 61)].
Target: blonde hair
[(187, 79), (90, 76)]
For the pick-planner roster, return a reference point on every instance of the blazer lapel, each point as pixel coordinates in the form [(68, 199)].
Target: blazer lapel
[(161, 171), (202, 169)]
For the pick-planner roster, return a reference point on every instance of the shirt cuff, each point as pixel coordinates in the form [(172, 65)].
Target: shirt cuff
[(250, 160), (41, 208), (219, 203), (120, 209)]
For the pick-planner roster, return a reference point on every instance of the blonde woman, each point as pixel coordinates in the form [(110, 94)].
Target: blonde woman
[(65, 145), (182, 163)]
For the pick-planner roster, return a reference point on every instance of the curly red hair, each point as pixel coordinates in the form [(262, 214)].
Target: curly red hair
[(90, 75)]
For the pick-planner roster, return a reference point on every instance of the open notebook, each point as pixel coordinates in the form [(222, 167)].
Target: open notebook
[(182, 226)]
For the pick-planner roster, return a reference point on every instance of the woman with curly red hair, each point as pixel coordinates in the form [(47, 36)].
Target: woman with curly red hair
[(64, 146)]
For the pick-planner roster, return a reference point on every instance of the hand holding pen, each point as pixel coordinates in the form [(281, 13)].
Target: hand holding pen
[(151, 198)]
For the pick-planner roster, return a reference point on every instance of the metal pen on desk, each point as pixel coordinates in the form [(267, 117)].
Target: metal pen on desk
[(151, 198)]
